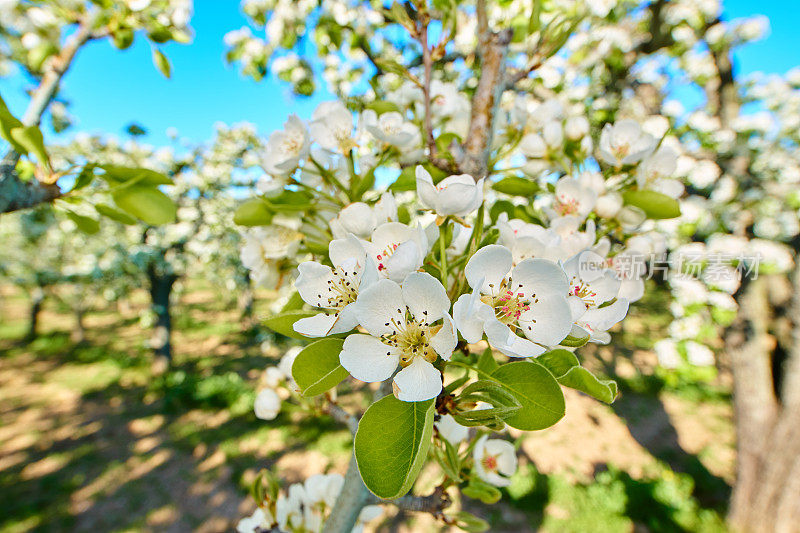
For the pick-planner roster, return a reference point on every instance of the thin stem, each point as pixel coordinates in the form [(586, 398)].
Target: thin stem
[(443, 253)]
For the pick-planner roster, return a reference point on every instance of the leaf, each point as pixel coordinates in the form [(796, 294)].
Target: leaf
[(253, 212), (145, 203), (654, 204), (581, 379), (406, 181), (284, 322), (84, 223), (116, 175), (477, 489), (85, 177), (317, 369), (9, 123), (162, 63), (381, 107), (31, 138), (516, 186), (558, 362), (538, 392), (486, 361), (114, 214), (392, 443)]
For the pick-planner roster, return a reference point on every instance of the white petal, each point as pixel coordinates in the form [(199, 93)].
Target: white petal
[(312, 283), (603, 318), (367, 358), (425, 297), (380, 307), (406, 259), (425, 189), (316, 326), (606, 287), (490, 264), (340, 250), (577, 307), (465, 315), (347, 320), (444, 342), (519, 347), (417, 382), (548, 320), (539, 277)]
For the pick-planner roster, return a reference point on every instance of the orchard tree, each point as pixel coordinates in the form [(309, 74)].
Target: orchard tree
[(42, 39), (462, 230)]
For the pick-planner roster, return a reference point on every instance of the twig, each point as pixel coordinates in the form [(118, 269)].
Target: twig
[(343, 417)]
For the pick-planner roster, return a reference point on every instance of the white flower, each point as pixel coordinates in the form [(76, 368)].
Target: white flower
[(323, 488), (573, 198), (624, 143), (258, 521), (667, 352), (455, 195), (334, 289), (531, 301), (367, 515), (576, 128), (285, 149), (391, 128), (533, 146), (451, 430), (659, 165), (591, 284), (263, 246), (495, 461), (273, 376), (699, 354), (289, 509), (332, 127), (285, 365), (361, 220), (397, 249), (267, 404), (608, 205), (408, 325)]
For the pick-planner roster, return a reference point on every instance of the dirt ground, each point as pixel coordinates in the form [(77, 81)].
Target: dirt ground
[(88, 444)]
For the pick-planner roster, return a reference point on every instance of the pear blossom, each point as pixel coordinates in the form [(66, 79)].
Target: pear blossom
[(334, 289), (495, 461), (332, 127), (559, 242), (624, 143), (699, 354), (361, 220), (573, 198), (267, 404), (397, 249), (592, 284), (260, 520), (451, 430), (528, 299), (264, 246), (368, 514), (409, 325), (285, 149), (323, 488), (391, 128), (286, 362), (456, 195)]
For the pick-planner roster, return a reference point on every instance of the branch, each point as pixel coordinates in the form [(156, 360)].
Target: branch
[(343, 417), (790, 391), (14, 193), (433, 503)]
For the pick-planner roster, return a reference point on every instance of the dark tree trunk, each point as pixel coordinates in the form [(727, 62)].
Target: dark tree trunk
[(37, 297), (160, 294), (246, 302), (78, 335), (766, 496)]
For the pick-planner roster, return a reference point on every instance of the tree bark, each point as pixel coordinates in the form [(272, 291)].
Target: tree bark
[(766, 496), (160, 295), (79, 332), (37, 298)]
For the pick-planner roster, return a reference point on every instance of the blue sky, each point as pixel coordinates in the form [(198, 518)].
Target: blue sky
[(108, 88)]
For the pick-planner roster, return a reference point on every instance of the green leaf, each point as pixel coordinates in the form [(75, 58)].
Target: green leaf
[(654, 204), (486, 361), (317, 369), (581, 379), (284, 322), (469, 522), (516, 186), (538, 392), (381, 107), (114, 214), (84, 223), (406, 181), (162, 63), (477, 489), (253, 212), (31, 138), (9, 123), (575, 341), (558, 362), (85, 177), (364, 184), (392, 443), (294, 303), (117, 175), (146, 203)]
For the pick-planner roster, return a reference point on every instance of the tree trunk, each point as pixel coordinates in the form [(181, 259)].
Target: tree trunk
[(766, 496), (37, 297), (246, 302), (78, 335), (161, 340)]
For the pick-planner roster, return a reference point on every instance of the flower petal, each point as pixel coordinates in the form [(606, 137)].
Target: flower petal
[(425, 189), (380, 307), (548, 320), (425, 297), (490, 264), (340, 250), (316, 326), (346, 321), (465, 315), (406, 259), (367, 358), (312, 283), (418, 381), (538, 277), (444, 342)]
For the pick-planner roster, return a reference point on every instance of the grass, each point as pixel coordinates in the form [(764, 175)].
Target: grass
[(91, 440)]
